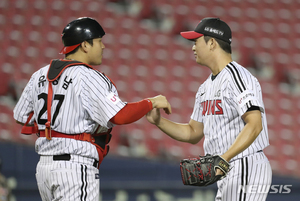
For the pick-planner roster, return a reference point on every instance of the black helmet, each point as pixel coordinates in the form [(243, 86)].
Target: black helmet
[(79, 30)]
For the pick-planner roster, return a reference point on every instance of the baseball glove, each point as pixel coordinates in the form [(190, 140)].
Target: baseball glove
[(202, 171)]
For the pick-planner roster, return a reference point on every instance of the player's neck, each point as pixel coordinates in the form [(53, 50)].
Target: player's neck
[(219, 63), (76, 57)]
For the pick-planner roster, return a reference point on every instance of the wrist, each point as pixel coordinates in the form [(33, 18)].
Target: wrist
[(159, 123), (150, 103), (226, 157)]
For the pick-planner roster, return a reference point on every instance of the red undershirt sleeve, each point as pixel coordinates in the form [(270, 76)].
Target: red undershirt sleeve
[(132, 112)]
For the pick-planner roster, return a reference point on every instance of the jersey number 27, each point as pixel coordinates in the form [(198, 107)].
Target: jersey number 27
[(60, 98)]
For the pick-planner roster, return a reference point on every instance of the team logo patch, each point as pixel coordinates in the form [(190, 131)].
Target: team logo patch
[(218, 94), (246, 96), (113, 98)]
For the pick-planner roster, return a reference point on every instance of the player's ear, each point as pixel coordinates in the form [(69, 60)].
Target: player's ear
[(212, 43), (85, 46)]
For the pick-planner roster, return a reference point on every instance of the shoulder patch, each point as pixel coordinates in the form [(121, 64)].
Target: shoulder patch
[(113, 98)]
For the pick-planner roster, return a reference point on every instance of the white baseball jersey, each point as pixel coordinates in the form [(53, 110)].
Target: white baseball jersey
[(83, 99), (219, 105)]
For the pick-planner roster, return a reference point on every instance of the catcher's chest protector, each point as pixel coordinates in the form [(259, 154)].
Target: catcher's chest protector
[(55, 70)]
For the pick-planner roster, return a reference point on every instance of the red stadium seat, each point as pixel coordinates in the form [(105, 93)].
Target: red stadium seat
[(145, 61)]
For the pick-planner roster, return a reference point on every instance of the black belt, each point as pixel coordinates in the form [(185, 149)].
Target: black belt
[(67, 157)]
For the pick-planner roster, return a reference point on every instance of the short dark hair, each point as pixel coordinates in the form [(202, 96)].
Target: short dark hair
[(224, 45), (90, 41)]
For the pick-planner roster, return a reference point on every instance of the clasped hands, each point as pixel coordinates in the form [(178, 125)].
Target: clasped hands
[(158, 102)]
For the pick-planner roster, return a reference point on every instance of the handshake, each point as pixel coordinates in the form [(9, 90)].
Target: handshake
[(158, 102)]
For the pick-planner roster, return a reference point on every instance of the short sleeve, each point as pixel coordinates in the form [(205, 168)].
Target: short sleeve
[(198, 108), (25, 104), (246, 96), (100, 98)]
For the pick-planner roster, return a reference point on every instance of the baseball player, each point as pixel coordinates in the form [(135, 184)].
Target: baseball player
[(228, 112), (73, 108)]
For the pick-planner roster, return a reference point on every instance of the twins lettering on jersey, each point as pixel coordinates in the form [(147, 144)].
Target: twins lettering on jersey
[(212, 107)]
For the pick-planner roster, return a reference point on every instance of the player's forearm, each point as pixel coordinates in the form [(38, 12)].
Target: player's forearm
[(246, 137), (132, 112), (178, 131)]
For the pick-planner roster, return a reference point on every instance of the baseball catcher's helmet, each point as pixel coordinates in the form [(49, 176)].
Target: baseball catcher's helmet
[(80, 30)]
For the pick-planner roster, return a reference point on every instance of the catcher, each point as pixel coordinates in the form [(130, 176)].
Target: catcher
[(230, 113)]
